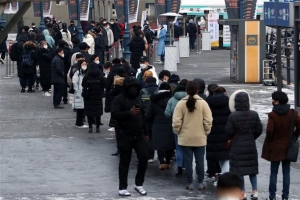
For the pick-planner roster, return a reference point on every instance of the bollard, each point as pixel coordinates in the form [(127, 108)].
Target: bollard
[(6, 68), (10, 67), (198, 43)]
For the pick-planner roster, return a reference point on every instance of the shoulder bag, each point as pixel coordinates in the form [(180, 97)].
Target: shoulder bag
[(229, 142), (293, 149)]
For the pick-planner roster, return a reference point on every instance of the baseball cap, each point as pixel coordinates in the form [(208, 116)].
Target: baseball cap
[(144, 59)]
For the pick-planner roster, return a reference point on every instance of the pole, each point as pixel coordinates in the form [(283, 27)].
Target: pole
[(42, 23), (3, 19), (168, 39), (288, 61), (296, 61), (241, 5), (184, 24), (278, 59), (103, 9), (99, 10), (7, 66), (108, 10), (80, 31), (126, 38)]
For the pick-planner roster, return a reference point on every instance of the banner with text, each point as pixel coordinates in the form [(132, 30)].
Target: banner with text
[(232, 7), (46, 8), (119, 6), (133, 10), (11, 8), (213, 28), (250, 9), (226, 34), (84, 10), (72, 7), (175, 5), (160, 8)]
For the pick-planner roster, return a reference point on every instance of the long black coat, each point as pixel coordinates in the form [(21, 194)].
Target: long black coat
[(58, 72), (243, 153), (162, 132), (44, 60), (30, 47), (3, 47), (92, 89), (136, 46), (217, 139), (21, 41)]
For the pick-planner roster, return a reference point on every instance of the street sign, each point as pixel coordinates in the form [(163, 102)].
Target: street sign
[(279, 14)]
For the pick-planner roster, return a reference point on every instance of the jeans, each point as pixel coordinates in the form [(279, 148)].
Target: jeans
[(58, 91), (125, 145), (253, 180), (286, 167), (179, 153), (192, 42), (224, 164), (79, 117), (91, 120), (27, 80), (162, 154), (188, 153), (162, 58)]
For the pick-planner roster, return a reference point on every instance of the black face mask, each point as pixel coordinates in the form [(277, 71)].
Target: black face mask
[(132, 92)]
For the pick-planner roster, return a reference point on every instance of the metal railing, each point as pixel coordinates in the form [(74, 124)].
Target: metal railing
[(9, 67)]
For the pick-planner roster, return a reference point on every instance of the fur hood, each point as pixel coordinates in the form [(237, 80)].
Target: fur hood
[(240, 101), (29, 45), (119, 81)]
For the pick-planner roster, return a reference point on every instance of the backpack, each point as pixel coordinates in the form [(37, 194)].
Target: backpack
[(13, 53), (146, 99), (26, 59)]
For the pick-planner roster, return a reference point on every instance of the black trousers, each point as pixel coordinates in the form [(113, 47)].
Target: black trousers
[(46, 87), (79, 117), (102, 57), (65, 92), (213, 167), (107, 53), (3, 55), (27, 80), (58, 93), (125, 145), (162, 154), (150, 147), (91, 120)]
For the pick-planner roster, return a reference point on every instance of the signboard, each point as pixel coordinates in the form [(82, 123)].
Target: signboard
[(119, 6), (37, 9), (72, 7), (133, 10), (278, 14), (84, 10), (233, 53), (213, 28), (226, 34), (233, 9), (11, 8), (47, 8), (250, 9), (175, 5), (160, 8)]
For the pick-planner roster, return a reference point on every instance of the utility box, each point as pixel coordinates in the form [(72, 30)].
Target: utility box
[(247, 50)]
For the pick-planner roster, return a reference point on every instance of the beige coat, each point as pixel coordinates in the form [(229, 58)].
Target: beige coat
[(192, 127)]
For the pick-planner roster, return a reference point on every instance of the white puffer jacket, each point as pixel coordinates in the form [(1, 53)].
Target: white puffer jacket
[(67, 37), (89, 39)]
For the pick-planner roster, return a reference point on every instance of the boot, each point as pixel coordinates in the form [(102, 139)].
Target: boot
[(179, 172), (116, 154), (90, 130), (97, 130)]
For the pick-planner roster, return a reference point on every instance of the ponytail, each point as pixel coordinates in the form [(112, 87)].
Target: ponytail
[(192, 89), (191, 103)]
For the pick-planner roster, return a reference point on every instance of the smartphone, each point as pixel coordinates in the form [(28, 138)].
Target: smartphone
[(137, 105)]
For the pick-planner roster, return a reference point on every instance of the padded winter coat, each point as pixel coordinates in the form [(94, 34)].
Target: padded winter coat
[(44, 60), (243, 153), (77, 85), (179, 94), (90, 40)]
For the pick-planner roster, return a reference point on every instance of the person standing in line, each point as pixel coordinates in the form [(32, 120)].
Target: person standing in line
[(3, 47), (44, 60), (136, 47), (178, 94), (92, 90), (161, 43), (49, 39), (73, 29), (66, 35), (78, 99), (122, 30), (216, 150), (162, 134), (127, 110), (100, 45), (192, 122), (116, 30), (192, 31), (243, 128), (277, 141), (89, 39), (110, 39), (58, 77)]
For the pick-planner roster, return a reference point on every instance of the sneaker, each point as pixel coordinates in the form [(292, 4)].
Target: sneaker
[(111, 129), (190, 187), (254, 196), (83, 126), (90, 130), (200, 186), (150, 161), (124, 193), (58, 107), (47, 94), (97, 130), (140, 190), (211, 179), (1, 61), (116, 154), (50, 91), (215, 183), (23, 90)]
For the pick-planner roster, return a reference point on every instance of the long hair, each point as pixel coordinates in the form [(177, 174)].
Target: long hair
[(191, 90)]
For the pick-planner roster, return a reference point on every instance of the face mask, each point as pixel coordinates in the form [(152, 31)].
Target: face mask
[(143, 66), (228, 198), (112, 22), (62, 55), (97, 61), (45, 46), (83, 67), (132, 92), (207, 93)]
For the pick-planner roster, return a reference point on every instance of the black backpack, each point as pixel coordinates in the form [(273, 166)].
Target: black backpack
[(13, 53), (27, 59), (146, 99)]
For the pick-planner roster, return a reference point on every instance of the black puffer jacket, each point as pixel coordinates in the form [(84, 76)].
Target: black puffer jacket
[(162, 132), (202, 87), (21, 41), (217, 139), (92, 89), (3, 47), (243, 153), (136, 46), (58, 73), (44, 60)]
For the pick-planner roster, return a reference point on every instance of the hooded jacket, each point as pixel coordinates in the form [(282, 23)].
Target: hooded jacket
[(201, 91), (30, 48), (179, 93), (120, 111), (67, 37), (90, 40), (162, 133), (278, 132), (247, 125), (173, 81), (49, 39)]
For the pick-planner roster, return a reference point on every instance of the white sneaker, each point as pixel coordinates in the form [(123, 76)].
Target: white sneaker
[(150, 161), (83, 126), (124, 193), (111, 129), (140, 190), (47, 94)]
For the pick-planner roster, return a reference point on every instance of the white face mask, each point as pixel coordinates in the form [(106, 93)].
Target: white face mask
[(45, 46), (112, 22), (97, 62), (62, 55), (83, 67), (143, 66), (228, 198)]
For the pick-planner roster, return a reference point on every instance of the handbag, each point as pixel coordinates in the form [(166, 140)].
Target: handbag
[(229, 142), (293, 149)]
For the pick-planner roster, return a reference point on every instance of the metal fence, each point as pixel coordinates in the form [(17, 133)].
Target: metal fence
[(9, 67)]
